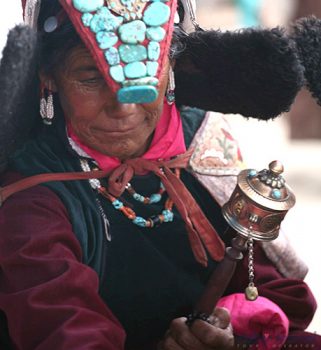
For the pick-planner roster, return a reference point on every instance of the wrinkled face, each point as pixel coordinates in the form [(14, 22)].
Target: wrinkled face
[(97, 118)]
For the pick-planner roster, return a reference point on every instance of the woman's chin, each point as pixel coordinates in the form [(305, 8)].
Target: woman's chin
[(122, 152)]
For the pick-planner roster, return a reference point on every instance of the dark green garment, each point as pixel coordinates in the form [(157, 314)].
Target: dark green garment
[(147, 276)]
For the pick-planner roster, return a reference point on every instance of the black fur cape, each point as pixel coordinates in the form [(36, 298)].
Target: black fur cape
[(17, 89), (307, 36), (253, 72)]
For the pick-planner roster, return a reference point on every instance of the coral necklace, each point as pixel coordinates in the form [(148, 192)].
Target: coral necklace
[(165, 216)]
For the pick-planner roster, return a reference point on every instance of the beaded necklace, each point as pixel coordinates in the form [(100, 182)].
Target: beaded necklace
[(165, 216), (154, 198)]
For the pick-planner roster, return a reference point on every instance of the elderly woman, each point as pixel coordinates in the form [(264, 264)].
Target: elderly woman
[(119, 261)]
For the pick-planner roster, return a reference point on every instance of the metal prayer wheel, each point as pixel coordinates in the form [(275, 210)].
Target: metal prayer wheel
[(259, 203)]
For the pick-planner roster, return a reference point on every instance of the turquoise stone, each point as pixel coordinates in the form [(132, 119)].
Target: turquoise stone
[(88, 6), (252, 173), (106, 39), (152, 68), (117, 204), (105, 20), (141, 81), (139, 221), (156, 14), (155, 198), (117, 73), (135, 70), (132, 53), (112, 56), (155, 33), (86, 19), (133, 32), (276, 194), (168, 215), (137, 94), (153, 51), (139, 197)]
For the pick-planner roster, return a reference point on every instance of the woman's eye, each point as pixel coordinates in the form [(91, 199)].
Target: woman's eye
[(92, 81)]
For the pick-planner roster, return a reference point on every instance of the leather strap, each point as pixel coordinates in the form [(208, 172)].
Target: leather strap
[(24, 184)]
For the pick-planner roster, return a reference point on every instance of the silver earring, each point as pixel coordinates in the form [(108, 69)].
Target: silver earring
[(47, 108), (170, 93)]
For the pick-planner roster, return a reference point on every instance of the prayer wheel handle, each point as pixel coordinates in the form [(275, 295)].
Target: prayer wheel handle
[(257, 206)]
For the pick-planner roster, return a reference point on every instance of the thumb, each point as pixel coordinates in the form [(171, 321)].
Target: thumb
[(220, 317)]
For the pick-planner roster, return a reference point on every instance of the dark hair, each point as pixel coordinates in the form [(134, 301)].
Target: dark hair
[(54, 46)]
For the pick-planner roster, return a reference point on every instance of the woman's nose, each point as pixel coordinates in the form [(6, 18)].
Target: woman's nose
[(116, 108)]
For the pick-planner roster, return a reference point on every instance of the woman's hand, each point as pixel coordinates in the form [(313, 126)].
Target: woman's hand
[(200, 335)]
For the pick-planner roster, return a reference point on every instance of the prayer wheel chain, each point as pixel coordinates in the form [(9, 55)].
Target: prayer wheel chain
[(251, 292)]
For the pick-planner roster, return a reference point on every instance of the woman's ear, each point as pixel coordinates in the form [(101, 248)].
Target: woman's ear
[(47, 82)]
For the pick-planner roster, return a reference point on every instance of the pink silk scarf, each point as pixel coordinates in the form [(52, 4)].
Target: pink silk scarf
[(168, 140)]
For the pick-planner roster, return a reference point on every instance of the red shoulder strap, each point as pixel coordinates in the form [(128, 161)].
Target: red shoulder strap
[(7, 191)]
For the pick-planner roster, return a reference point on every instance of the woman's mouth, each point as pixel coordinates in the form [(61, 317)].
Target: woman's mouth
[(119, 132)]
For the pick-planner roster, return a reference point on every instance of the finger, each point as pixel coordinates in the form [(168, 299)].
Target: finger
[(212, 336), (183, 336), (221, 317), (169, 343)]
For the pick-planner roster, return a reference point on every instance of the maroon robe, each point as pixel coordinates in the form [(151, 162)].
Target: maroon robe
[(51, 299)]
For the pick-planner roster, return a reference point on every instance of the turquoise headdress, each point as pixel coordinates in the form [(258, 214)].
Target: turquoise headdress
[(128, 39)]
